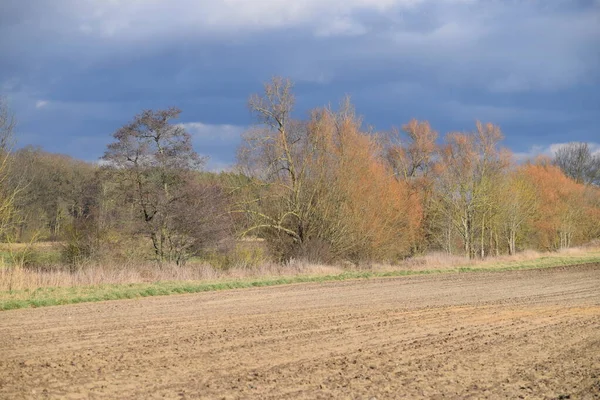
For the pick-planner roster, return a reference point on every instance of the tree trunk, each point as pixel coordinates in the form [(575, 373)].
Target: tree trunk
[(482, 237), (469, 239), (511, 242)]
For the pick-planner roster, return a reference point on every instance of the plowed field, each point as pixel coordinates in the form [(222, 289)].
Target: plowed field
[(527, 334)]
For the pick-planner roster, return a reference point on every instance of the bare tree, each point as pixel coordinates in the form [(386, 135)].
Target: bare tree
[(272, 156), (412, 158), (284, 159), (577, 162), (516, 207), (8, 123), (318, 189), (155, 164), (468, 169), (8, 192)]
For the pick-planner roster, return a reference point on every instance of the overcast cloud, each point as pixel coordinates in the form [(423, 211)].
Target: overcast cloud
[(76, 70)]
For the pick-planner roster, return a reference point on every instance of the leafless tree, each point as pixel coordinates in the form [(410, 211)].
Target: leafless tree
[(8, 192), (468, 169), (155, 164), (271, 157), (576, 160), (315, 187)]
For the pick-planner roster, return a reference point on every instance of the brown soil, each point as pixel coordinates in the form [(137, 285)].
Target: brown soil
[(529, 334)]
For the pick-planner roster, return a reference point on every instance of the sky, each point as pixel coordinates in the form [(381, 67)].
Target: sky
[(74, 71)]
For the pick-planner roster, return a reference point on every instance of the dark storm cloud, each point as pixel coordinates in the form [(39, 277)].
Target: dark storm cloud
[(76, 70)]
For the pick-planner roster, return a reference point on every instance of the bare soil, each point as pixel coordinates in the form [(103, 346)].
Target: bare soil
[(528, 334)]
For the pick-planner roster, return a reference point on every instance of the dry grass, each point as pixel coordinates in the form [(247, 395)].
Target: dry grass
[(99, 274), (12, 278), (21, 288), (444, 261)]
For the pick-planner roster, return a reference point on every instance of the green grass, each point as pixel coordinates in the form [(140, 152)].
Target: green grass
[(53, 296)]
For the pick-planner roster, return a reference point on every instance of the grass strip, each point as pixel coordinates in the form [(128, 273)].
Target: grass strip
[(53, 296)]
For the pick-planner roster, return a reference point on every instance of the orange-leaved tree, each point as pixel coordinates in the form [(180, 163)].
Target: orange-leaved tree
[(561, 207), (412, 153)]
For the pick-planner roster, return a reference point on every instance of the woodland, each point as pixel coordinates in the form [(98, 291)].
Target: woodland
[(324, 188)]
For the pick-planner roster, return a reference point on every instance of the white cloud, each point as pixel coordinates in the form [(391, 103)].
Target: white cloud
[(41, 103), (216, 140), (532, 153), (555, 147), (550, 151), (213, 133)]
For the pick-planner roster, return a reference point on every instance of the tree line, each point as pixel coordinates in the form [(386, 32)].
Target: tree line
[(322, 188)]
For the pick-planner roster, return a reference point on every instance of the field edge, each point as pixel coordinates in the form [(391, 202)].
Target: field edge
[(55, 296)]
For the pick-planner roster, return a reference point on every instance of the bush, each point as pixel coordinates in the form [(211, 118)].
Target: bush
[(243, 255), (39, 259), (31, 257)]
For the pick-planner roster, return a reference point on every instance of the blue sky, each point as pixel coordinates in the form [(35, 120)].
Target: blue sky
[(76, 70)]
